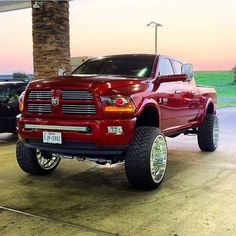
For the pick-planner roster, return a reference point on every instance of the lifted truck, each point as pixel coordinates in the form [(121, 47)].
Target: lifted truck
[(114, 109)]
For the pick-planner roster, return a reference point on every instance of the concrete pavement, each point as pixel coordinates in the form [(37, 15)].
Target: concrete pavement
[(197, 197)]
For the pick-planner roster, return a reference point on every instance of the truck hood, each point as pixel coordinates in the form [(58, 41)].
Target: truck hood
[(102, 85)]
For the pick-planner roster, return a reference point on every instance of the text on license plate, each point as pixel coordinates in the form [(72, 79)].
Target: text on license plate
[(52, 137)]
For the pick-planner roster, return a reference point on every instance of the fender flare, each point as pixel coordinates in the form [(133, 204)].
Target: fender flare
[(209, 101), (149, 102)]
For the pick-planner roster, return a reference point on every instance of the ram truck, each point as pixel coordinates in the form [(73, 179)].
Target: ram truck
[(113, 109)]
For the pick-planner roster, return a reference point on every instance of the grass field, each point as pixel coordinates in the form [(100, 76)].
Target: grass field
[(222, 81)]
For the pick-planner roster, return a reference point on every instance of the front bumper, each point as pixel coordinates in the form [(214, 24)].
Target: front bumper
[(96, 141)]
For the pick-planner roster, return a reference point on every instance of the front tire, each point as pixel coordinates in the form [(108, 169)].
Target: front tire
[(34, 161), (208, 133), (146, 158)]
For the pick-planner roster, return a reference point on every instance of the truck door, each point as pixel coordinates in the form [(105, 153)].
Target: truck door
[(169, 97), (190, 98)]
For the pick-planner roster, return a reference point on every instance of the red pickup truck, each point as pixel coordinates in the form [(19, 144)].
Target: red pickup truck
[(114, 109)]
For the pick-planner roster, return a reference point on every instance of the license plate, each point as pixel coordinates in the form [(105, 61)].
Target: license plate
[(52, 137)]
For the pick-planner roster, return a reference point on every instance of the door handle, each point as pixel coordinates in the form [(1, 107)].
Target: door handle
[(177, 91)]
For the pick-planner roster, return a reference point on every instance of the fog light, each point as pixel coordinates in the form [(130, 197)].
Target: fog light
[(115, 129)]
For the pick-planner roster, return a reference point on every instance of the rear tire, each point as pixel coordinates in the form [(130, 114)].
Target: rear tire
[(146, 158), (34, 161), (208, 133)]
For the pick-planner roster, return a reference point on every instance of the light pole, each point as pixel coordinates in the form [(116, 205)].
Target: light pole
[(155, 24)]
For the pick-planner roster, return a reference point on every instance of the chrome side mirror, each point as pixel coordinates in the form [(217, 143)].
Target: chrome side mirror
[(61, 72), (188, 70)]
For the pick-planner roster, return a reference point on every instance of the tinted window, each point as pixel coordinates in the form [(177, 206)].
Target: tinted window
[(20, 88), (11, 93), (2, 91), (177, 67), (135, 66), (164, 67)]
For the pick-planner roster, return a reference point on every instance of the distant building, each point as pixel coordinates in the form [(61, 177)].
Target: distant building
[(6, 77), (9, 77)]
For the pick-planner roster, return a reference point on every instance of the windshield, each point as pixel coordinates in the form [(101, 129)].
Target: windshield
[(128, 65)]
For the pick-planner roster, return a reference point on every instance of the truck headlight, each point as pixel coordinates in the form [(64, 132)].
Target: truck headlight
[(21, 101), (117, 103)]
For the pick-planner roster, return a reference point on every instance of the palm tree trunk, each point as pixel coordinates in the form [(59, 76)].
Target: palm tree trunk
[(51, 38)]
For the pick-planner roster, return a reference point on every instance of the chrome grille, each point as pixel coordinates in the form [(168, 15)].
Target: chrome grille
[(40, 94), (76, 95), (36, 107), (79, 109), (66, 97)]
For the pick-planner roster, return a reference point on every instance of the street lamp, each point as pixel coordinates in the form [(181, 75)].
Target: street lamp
[(155, 24)]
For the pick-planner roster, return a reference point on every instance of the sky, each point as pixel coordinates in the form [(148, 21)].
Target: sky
[(201, 32)]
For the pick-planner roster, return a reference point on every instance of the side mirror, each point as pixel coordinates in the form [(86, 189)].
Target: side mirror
[(188, 70), (4, 100)]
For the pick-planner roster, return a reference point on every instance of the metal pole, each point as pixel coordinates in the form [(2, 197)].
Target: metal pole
[(155, 25), (155, 38)]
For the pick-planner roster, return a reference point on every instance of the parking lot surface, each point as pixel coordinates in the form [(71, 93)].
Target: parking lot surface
[(197, 196)]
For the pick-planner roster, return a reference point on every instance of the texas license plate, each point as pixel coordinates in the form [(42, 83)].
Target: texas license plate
[(52, 137)]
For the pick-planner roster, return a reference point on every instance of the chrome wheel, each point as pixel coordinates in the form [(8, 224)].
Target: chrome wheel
[(146, 158), (46, 160), (158, 158), (216, 132)]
